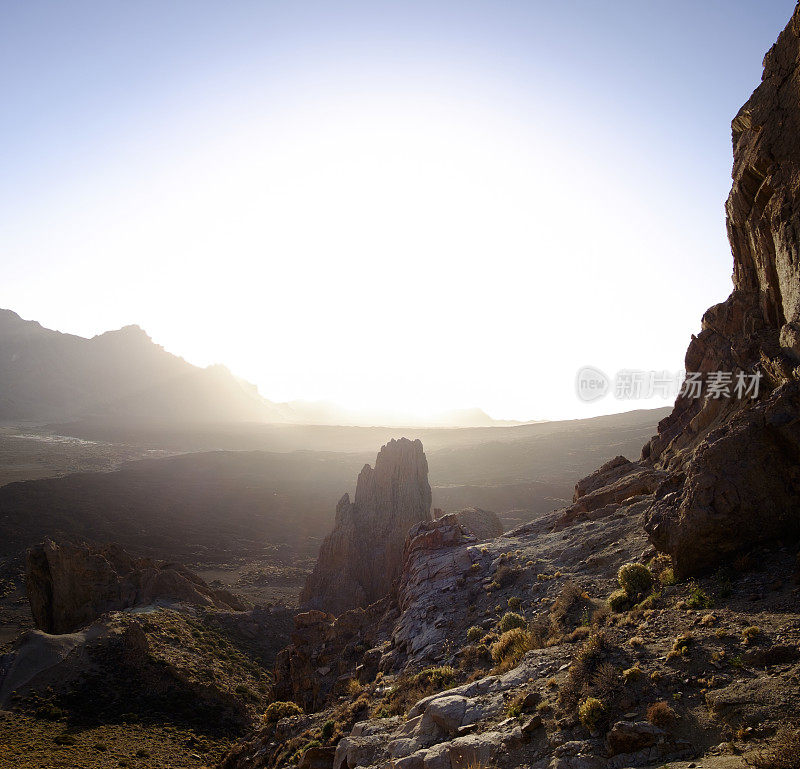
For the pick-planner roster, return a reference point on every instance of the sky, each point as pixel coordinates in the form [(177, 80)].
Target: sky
[(412, 206)]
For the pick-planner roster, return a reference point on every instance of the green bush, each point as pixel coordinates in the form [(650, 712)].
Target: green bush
[(619, 601), (511, 620), (591, 713), (698, 599), (635, 579), (750, 634), (667, 577), (514, 603), (327, 730), (437, 678), (509, 649), (278, 710), (631, 675), (475, 633)]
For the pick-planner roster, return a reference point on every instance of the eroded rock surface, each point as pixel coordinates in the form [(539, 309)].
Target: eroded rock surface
[(733, 461), (484, 524), (69, 586), (362, 557), (327, 653)]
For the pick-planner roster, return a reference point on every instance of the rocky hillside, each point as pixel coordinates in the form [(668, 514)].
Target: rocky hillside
[(121, 376), (135, 663), (578, 641)]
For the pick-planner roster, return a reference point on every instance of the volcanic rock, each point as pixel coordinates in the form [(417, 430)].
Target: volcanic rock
[(484, 524), (361, 558), (69, 586), (733, 461)]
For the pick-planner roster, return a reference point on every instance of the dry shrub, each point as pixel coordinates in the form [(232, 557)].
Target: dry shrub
[(579, 634), (475, 656), (592, 712), (540, 630), (606, 683), (506, 575), (659, 564), (744, 563), (510, 648), (583, 667), (278, 710), (660, 714), (409, 689), (782, 753), (600, 614), (568, 600)]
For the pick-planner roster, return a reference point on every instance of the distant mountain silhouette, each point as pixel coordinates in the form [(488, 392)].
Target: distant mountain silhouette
[(124, 377), (120, 375)]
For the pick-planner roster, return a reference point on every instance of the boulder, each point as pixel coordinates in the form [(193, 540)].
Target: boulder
[(448, 712), (616, 483), (318, 758), (484, 524), (358, 751), (606, 474), (632, 736)]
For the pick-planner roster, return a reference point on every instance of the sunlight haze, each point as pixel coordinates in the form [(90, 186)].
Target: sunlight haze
[(414, 207)]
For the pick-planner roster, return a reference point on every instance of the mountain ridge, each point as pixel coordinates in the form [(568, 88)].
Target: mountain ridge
[(122, 375)]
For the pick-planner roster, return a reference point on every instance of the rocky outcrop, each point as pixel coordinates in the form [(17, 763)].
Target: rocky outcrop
[(435, 564), (326, 653), (616, 483), (732, 462), (69, 586), (483, 524), (361, 558)]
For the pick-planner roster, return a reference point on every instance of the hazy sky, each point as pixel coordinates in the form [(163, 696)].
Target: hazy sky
[(414, 205)]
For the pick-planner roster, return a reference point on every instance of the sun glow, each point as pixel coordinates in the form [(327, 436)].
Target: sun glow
[(384, 242)]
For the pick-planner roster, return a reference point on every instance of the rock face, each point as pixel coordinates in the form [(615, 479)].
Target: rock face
[(326, 653), (69, 586), (484, 524), (617, 482), (361, 558), (733, 462), (434, 563)]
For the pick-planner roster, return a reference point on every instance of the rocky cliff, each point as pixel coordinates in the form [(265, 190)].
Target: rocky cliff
[(361, 558), (69, 586), (734, 462)]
